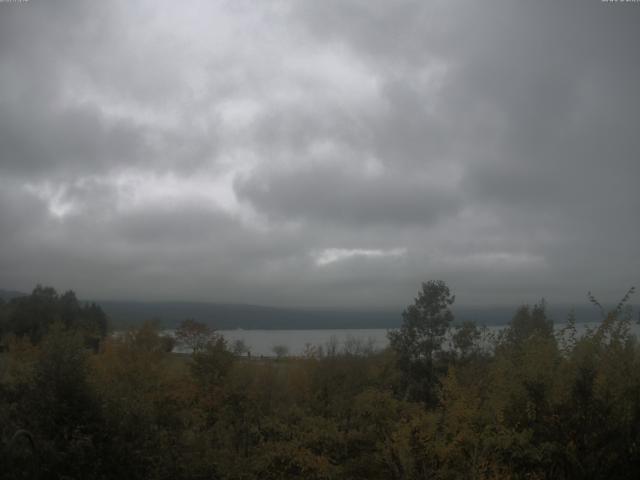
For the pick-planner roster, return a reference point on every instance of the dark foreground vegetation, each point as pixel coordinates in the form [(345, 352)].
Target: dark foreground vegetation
[(442, 402)]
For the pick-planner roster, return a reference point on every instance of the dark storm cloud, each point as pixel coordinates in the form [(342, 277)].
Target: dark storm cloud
[(329, 193), (69, 70), (334, 152), (21, 214), (543, 113), (38, 46), (38, 141)]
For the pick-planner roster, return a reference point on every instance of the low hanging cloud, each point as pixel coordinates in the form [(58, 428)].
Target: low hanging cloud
[(320, 153), (332, 255)]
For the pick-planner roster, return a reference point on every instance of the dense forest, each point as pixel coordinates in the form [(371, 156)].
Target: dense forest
[(445, 400)]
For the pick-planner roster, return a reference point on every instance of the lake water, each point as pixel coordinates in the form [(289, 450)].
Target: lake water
[(262, 342)]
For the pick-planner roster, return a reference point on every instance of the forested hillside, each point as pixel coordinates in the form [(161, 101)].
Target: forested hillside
[(529, 403)]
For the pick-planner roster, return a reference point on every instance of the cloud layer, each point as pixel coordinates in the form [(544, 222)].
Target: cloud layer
[(329, 153)]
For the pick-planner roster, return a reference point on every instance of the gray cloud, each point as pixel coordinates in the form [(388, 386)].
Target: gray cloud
[(326, 193), (212, 151)]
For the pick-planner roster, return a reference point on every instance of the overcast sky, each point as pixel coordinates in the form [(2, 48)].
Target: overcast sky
[(320, 153)]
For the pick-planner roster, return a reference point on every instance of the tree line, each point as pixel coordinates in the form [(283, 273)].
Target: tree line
[(443, 401)]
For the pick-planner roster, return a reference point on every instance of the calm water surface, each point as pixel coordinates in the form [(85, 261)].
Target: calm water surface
[(262, 342)]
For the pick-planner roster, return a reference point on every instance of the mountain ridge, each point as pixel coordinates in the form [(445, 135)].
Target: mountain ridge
[(228, 316)]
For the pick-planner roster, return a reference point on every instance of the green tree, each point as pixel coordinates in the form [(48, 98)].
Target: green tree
[(4, 316), (466, 339), (241, 348), (280, 351), (418, 342), (142, 389), (33, 315), (528, 322), (60, 408), (211, 363), (194, 335)]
